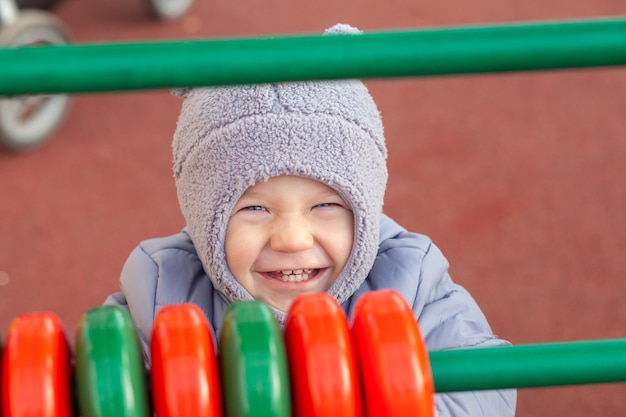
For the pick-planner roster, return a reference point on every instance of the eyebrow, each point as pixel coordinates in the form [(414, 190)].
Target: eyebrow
[(325, 190), (252, 194)]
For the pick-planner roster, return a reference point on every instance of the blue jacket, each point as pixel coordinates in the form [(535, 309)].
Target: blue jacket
[(167, 270)]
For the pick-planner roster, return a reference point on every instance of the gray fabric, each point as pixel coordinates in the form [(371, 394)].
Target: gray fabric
[(229, 138), (166, 271)]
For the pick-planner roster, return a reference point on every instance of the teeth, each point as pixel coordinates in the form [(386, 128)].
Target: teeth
[(295, 275)]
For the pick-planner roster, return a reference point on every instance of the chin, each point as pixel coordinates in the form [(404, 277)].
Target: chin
[(282, 306)]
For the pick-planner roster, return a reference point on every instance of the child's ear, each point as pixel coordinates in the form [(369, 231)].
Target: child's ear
[(181, 92)]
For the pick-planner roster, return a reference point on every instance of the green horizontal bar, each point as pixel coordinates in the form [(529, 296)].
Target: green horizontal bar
[(437, 51), (526, 366)]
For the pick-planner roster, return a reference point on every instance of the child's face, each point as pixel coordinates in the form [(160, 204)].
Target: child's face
[(287, 237)]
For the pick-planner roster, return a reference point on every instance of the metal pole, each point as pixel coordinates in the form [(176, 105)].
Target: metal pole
[(525, 366), (442, 51)]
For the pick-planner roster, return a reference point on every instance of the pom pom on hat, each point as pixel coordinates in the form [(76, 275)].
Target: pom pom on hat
[(342, 29)]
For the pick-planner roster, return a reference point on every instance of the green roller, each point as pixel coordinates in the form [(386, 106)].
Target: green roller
[(426, 52), (110, 373), (255, 376), (526, 366)]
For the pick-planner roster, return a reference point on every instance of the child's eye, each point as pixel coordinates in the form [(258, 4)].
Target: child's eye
[(254, 208), (326, 205)]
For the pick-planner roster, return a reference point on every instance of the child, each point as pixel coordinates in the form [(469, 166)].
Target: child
[(282, 190)]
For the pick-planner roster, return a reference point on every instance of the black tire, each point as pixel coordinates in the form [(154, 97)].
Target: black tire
[(169, 9), (28, 121), (37, 4)]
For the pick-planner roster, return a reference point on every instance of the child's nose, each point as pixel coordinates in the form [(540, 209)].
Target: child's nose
[(291, 235)]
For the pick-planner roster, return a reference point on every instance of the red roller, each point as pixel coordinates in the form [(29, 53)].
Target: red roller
[(36, 368), (392, 357), (322, 361), (185, 379)]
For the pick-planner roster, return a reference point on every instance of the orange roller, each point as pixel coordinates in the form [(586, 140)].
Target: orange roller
[(322, 361), (185, 379), (392, 357), (36, 368)]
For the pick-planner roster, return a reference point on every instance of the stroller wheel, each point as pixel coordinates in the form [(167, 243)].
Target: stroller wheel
[(169, 9), (37, 4), (27, 121)]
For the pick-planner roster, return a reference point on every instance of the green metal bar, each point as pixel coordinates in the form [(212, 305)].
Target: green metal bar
[(437, 51), (525, 366)]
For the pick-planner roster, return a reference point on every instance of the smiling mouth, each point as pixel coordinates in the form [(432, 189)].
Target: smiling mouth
[(294, 275)]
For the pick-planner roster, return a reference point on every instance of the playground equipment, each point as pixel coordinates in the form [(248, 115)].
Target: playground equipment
[(320, 365), (109, 378), (428, 52), (443, 51)]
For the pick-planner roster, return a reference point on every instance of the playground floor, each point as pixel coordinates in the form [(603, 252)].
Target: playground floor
[(519, 178)]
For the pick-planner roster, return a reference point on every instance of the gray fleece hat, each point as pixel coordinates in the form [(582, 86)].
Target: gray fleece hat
[(229, 138)]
